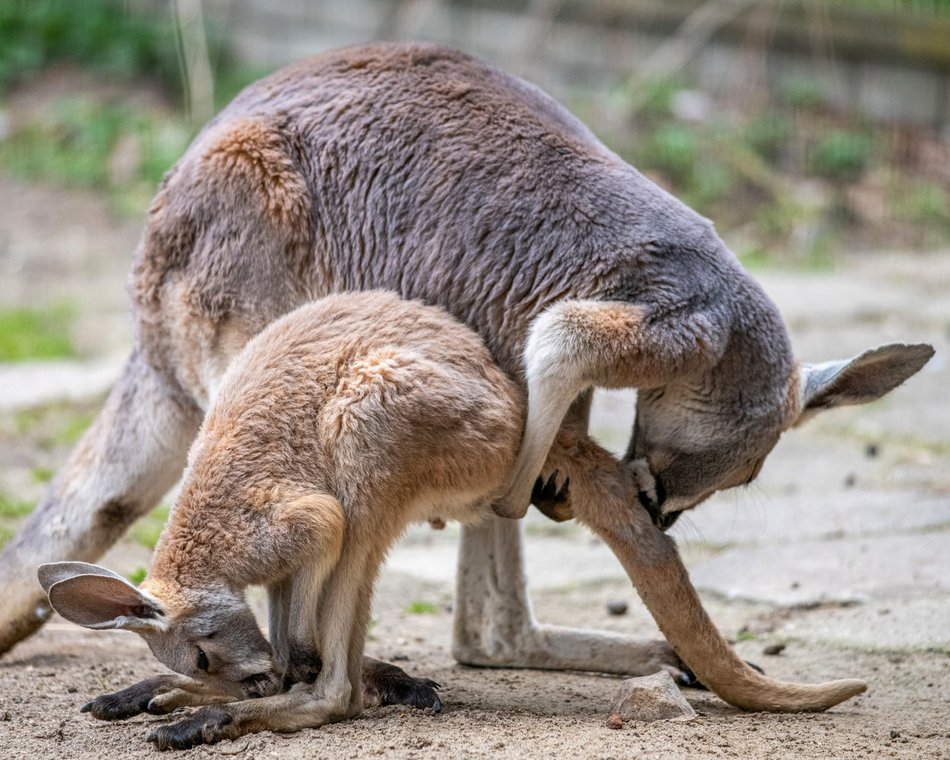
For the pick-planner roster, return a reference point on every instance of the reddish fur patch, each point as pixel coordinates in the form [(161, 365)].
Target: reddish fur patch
[(258, 153)]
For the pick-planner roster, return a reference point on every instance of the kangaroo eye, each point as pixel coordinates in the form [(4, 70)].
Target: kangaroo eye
[(202, 660)]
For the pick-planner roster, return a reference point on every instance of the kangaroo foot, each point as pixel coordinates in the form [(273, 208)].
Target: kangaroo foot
[(206, 726), (385, 684)]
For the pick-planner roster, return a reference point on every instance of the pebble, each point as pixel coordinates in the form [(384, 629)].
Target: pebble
[(649, 698), (617, 607), (774, 649), (615, 722)]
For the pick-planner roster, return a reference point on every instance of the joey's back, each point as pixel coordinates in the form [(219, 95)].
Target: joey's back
[(372, 399)]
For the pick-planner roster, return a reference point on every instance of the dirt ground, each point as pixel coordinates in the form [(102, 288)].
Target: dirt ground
[(880, 516)]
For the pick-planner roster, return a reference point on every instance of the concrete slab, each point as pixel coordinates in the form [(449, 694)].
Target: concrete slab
[(37, 383), (844, 571), (885, 625)]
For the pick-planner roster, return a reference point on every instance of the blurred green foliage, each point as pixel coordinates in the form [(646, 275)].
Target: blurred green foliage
[(100, 34), (36, 333), (788, 173), (840, 154), (147, 530), (421, 607), (10, 507), (137, 575), (95, 141), (76, 141), (42, 474)]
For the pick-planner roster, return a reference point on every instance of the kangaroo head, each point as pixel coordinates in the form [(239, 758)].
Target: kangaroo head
[(210, 636), (711, 432)]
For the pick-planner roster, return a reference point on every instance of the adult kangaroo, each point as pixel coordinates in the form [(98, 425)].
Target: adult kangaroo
[(422, 170)]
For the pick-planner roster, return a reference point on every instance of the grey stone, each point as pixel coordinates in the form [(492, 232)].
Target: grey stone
[(651, 698)]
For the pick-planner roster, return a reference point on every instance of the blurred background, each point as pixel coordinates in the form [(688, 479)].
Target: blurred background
[(815, 133)]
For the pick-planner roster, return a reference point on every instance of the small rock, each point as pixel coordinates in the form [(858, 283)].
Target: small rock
[(617, 607), (895, 734), (615, 722), (774, 649), (872, 450), (651, 698)]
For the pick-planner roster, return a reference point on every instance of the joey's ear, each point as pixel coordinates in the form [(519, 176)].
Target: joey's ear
[(54, 572), (864, 378), (100, 599)]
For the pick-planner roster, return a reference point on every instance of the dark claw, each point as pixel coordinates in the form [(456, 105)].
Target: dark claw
[(550, 499)]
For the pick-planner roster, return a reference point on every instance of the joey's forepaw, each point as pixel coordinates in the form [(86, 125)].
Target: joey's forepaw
[(205, 726), (551, 500), (123, 704)]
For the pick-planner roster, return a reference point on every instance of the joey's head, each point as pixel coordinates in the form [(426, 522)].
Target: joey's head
[(210, 635), (713, 431)]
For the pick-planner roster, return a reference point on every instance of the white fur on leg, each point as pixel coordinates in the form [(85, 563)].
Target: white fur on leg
[(554, 376)]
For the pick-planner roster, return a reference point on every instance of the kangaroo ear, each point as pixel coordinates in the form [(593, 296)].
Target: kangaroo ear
[(864, 378), (54, 572), (97, 598)]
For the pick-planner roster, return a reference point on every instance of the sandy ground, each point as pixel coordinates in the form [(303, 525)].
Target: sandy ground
[(838, 552)]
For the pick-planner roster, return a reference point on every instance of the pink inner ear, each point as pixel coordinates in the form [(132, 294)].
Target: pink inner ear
[(95, 601)]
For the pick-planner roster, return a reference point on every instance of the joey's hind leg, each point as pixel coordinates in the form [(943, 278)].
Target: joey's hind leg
[(294, 625), (130, 456)]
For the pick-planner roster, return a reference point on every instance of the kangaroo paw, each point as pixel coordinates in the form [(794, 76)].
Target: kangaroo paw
[(551, 501)]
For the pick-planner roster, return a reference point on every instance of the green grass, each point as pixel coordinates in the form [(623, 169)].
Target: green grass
[(137, 575), (42, 474), (147, 530), (103, 35), (75, 141), (5, 535), (72, 429), (27, 334), (11, 507), (418, 607)]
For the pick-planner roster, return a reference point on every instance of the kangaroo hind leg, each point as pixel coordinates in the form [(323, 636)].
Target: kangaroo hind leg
[(131, 455)]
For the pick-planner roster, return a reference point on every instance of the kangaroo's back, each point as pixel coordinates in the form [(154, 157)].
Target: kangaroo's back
[(407, 167)]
